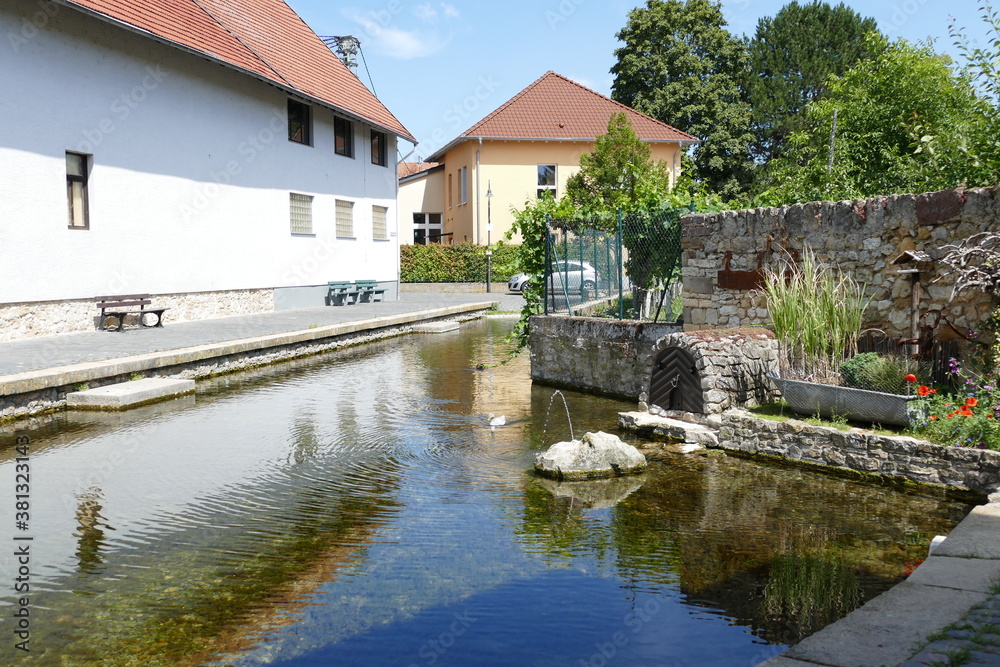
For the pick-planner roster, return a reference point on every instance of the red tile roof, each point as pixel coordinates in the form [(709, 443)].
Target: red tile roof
[(555, 108), (265, 38), (405, 169)]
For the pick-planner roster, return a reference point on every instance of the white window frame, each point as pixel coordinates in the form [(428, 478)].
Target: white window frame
[(422, 222), (547, 187), (463, 185), (380, 222)]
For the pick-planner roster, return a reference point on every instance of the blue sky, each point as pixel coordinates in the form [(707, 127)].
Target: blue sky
[(440, 66)]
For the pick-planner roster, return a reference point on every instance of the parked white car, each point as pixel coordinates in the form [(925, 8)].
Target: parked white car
[(576, 273)]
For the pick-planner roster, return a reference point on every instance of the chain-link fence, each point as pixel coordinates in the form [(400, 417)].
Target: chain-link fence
[(624, 266)]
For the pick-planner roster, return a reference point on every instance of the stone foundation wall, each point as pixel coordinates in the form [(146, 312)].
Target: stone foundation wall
[(592, 354), (860, 238), (732, 364), (976, 470), (46, 318)]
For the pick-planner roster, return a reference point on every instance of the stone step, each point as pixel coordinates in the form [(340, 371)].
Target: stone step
[(127, 395), (643, 422), (435, 327)]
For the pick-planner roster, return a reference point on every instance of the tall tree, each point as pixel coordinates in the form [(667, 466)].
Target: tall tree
[(791, 57), (906, 122), (680, 65)]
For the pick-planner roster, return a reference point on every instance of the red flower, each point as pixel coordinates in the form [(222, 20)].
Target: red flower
[(990, 416), (965, 411), (971, 401), (934, 418), (923, 390), (910, 378)]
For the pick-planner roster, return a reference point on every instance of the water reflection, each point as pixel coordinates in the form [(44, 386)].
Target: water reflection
[(356, 508)]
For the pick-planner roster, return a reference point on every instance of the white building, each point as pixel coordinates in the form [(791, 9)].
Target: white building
[(215, 154)]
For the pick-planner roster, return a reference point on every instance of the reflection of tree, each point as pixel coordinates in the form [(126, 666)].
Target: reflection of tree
[(782, 551), (90, 536)]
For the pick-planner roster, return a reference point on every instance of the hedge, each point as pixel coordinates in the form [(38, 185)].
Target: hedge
[(460, 263)]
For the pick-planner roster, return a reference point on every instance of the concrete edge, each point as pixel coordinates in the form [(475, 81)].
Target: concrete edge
[(29, 381)]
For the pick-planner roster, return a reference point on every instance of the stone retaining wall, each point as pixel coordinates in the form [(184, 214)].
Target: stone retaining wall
[(976, 470), (860, 238), (592, 354), (45, 318)]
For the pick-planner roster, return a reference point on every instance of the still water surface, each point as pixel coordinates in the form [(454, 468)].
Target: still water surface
[(356, 509)]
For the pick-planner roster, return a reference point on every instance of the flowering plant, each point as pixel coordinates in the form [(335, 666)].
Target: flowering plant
[(968, 418)]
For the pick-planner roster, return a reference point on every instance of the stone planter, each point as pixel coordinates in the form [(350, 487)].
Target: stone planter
[(831, 401)]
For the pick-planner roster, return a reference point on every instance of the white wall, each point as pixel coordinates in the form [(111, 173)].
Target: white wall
[(191, 174)]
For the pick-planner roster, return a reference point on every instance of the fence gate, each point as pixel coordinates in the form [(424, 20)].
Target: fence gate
[(675, 383)]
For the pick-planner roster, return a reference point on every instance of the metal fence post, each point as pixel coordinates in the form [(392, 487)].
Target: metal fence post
[(621, 271), (548, 263)]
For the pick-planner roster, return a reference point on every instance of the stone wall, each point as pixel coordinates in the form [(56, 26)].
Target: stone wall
[(976, 470), (732, 364), (861, 238), (46, 318), (592, 354)]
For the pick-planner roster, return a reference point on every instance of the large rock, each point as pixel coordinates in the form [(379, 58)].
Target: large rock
[(596, 456)]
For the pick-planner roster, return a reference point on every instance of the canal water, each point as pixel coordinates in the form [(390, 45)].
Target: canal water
[(357, 509)]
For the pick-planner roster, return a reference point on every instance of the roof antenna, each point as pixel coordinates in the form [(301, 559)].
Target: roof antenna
[(346, 48)]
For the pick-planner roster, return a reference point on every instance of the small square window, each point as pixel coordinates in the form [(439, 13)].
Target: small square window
[(546, 180), (380, 227), (299, 122), (301, 213), (343, 132), (379, 148), (345, 219), (77, 175)]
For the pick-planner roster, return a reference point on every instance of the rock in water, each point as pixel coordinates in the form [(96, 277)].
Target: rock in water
[(595, 456)]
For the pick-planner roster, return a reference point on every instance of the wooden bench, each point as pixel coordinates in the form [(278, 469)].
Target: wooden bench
[(367, 289), (123, 305), (341, 292)]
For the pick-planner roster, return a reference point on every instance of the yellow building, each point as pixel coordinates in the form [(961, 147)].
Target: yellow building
[(530, 145)]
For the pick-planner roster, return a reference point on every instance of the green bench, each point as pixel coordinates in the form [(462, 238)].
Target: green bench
[(340, 292), (368, 289)]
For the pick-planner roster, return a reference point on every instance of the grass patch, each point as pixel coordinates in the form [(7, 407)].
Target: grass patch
[(780, 411)]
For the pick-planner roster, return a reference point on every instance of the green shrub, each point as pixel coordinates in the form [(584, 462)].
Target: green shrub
[(459, 263), (870, 370)]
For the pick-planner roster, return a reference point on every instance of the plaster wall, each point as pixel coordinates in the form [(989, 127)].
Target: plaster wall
[(191, 172)]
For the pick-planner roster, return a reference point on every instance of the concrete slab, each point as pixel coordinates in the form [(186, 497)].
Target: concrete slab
[(643, 422), (127, 394), (783, 661), (888, 629), (967, 574), (976, 536), (435, 327)]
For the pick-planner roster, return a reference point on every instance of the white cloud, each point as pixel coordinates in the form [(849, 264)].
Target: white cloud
[(381, 32), (450, 11)]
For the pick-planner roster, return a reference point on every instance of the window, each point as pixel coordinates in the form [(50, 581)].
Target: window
[(380, 230), (301, 213), (299, 123), (378, 148), (546, 180), (463, 185), (427, 228), (451, 193), (345, 219), (343, 132), (76, 190)]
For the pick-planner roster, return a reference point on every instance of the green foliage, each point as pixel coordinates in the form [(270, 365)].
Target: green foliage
[(875, 372), (817, 315), (619, 174), (680, 65), (460, 263), (967, 418), (791, 56), (905, 122)]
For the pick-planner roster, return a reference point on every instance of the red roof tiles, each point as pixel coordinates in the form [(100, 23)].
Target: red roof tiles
[(557, 108), (263, 37)]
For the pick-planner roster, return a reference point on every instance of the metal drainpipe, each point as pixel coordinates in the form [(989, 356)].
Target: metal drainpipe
[(479, 233)]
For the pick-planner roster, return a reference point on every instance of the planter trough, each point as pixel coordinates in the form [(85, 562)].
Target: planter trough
[(831, 401)]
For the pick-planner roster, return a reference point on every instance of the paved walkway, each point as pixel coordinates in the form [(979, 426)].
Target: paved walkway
[(46, 352)]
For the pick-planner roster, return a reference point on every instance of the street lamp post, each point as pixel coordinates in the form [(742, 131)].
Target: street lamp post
[(489, 229)]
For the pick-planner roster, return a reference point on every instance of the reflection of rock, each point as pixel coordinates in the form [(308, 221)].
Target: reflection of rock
[(595, 493), (596, 456)]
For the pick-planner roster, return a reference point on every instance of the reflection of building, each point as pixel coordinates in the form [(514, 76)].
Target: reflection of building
[(215, 153), (531, 145)]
